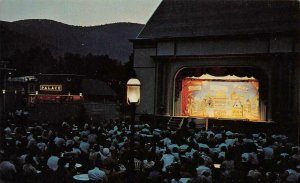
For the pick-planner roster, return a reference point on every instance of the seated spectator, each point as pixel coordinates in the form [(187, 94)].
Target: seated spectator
[(227, 167), (84, 145), (148, 164), (167, 159), (155, 175), (52, 163), (28, 168), (254, 176), (204, 171), (105, 154), (97, 175)]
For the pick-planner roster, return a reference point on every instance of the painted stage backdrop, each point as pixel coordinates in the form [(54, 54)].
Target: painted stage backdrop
[(220, 98)]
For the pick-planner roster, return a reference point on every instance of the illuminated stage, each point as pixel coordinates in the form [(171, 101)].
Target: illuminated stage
[(228, 97)]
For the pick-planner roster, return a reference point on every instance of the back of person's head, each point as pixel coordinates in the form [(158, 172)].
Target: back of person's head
[(206, 151), (200, 161), (98, 162), (291, 163), (84, 138), (271, 177), (29, 159), (157, 166), (223, 148), (7, 171), (69, 147), (95, 175), (228, 156), (175, 150), (72, 163), (295, 150), (61, 162), (96, 148)]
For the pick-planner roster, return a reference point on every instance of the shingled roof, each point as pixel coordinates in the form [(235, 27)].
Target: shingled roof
[(197, 18)]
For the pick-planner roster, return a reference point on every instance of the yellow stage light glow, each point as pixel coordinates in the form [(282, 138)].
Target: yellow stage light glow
[(230, 97)]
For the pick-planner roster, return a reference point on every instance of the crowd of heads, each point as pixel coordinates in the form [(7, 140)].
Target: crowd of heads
[(42, 152)]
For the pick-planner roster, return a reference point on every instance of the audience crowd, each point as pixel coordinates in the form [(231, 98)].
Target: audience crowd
[(47, 153)]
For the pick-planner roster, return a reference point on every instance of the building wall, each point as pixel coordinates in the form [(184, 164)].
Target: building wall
[(297, 86), (104, 110), (268, 53), (145, 68), (297, 95), (226, 46)]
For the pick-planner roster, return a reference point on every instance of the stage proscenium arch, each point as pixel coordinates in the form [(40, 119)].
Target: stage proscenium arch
[(219, 96)]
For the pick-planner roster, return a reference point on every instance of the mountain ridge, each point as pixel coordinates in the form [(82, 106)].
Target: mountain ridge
[(60, 38)]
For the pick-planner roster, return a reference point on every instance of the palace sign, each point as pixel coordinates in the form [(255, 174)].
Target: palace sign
[(50, 87)]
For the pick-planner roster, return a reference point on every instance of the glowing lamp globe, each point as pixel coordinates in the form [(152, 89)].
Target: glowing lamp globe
[(133, 91)]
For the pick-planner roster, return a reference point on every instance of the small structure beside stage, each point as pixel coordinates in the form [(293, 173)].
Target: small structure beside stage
[(58, 97), (191, 38)]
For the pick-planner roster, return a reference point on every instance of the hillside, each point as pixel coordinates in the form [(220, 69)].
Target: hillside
[(109, 39)]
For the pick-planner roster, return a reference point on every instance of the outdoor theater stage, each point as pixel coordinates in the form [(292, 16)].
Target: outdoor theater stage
[(224, 72)]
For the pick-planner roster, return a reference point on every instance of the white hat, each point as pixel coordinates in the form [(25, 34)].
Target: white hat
[(52, 163), (106, 151)]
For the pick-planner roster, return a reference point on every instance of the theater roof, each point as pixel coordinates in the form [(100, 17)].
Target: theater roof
[(200, 18)]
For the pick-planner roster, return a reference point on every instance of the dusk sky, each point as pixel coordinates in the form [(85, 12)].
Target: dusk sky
[(79, 12)]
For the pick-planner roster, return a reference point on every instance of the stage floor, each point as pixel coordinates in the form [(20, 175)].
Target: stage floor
[(236, 125)]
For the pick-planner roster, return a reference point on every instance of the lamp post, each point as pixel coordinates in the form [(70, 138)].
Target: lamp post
[(133, 99), (4, 103), (3, 66)]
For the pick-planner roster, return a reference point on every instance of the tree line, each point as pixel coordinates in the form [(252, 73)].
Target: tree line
[(102, 67)]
